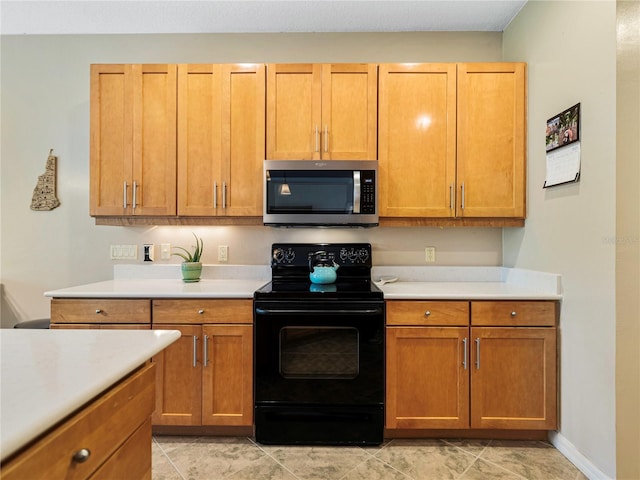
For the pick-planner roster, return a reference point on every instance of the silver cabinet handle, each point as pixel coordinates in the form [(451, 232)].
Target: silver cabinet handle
[(451, 195), (135, 194), (477, 354), (326, 138), (98, 311), (195, 351), (316, 149), (81, 455), (427, 313), (215, 194), (224, 194), (462, 196), (124, 196), (201, 311), (464, 355), (513, 314), (205, 352)]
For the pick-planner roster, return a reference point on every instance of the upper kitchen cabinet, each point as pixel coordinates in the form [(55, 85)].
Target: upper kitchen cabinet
[(221, 125), (133, 140), (491, 140), (452, 143), (321, 111), (417, 140)]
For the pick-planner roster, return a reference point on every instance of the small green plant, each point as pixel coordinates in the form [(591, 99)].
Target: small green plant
[(188, 256)]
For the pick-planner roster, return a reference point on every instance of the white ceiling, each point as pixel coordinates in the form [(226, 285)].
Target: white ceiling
[(18, 17)]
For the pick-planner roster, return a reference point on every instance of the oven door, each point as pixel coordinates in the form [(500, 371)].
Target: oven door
[(319, 353)]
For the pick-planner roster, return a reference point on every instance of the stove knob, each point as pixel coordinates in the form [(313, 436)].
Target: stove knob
[(278, 255), (363, 255), (343, 254), (290, 255), (353, 255)]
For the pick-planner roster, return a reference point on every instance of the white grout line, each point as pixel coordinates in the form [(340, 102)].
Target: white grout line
[(175, 467)]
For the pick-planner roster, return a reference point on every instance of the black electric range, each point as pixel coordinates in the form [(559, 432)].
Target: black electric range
[(319, 349)]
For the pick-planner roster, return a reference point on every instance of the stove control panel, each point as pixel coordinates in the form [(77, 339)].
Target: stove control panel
[(299, 254)]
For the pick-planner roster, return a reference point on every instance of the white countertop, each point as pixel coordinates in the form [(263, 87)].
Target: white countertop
[(240, 281), (48, 374), (462, 291), (468, 283), (161, 288)]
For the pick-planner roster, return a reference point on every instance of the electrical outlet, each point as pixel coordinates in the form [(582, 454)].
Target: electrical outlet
[(223, 253), (165, 251), (430, 254)]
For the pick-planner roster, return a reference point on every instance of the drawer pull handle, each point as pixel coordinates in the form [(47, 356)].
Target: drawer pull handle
[(98, 311), (200, 312), (195, 351), (513, 314), (82, 455), (464, 358), (427, 313)]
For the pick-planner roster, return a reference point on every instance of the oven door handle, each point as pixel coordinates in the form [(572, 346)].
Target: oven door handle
[(293, 311)]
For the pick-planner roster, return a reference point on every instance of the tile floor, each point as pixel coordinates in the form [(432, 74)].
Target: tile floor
[(212, 458)]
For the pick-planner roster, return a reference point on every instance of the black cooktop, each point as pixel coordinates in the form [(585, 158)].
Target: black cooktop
[(290, 268)]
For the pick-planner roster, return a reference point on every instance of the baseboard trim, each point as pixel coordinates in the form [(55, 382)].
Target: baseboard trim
[(582, 463)]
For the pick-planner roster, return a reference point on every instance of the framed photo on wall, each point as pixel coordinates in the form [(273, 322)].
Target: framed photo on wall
[(563, 128)]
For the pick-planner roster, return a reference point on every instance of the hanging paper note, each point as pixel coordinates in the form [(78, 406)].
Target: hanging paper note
[(563, 165)]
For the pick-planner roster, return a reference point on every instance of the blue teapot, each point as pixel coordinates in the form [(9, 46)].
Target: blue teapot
[(322, 269)]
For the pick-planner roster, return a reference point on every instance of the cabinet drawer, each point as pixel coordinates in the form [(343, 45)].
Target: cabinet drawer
[(514, 313), (132, 460), (401, 312), (102, 427), (100, 310), (202, 311)]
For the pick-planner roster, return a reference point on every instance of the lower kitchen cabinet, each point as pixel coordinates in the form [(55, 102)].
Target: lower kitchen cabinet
[(206, 377), (108, 438), (443, 372), (427, 377)]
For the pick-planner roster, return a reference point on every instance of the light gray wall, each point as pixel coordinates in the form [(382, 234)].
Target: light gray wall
[(45, 104), (570, 48)]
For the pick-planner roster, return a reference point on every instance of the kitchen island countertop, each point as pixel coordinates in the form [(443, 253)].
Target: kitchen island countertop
[(49, 374)]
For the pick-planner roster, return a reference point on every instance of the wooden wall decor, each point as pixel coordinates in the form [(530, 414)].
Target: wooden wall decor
[(44, 194)]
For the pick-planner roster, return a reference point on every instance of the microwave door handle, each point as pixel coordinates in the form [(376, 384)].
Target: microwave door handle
[(356, 191)]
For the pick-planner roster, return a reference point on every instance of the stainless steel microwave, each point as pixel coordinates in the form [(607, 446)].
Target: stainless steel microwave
[(315, 193)]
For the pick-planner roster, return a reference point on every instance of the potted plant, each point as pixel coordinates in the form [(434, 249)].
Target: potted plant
[(191, 266)]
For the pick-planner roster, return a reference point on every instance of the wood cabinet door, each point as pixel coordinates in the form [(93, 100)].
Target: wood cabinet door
[(243, 139), (349, 111), (133, 140), (491, 140), (178, 378), (154, 140), (227, 382), (513, 378), (111, 142), (417, 140), (427, 377), (199, 140), (294, 120)]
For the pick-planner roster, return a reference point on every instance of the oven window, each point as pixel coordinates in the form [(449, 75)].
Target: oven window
[(319, 352), (312, 192)]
